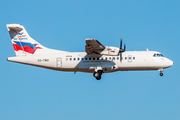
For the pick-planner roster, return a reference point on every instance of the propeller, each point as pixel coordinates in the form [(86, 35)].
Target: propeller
[(124, 47), (121, 50)]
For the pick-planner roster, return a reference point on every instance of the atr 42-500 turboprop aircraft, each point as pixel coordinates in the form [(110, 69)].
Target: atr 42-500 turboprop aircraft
[(97, 59)]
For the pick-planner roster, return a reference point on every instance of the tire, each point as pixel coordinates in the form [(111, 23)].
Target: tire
[(96, 74), (161, 74), (98, 78), (100, 72)]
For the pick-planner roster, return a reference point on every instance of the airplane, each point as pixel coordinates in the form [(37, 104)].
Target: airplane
[(97, 58)]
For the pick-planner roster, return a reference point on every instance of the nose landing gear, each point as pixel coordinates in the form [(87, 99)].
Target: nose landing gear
[(161, 74), (98, 74), (161, 70)]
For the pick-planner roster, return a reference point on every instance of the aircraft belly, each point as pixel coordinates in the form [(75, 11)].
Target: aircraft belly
[(140, 65), (138, 68), (106, 67)]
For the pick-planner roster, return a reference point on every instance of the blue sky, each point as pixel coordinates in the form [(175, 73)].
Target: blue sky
[(28, 92)]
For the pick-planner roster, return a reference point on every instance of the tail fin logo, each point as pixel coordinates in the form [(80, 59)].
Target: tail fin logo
[(20, 35), (24, 46)]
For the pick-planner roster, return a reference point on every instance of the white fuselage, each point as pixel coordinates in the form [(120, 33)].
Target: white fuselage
[(96, 59), (80, 61)]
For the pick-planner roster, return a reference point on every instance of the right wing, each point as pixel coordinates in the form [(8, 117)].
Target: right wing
[(93, 46)]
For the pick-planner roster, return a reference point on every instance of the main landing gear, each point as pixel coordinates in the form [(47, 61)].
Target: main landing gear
[(98, 74)]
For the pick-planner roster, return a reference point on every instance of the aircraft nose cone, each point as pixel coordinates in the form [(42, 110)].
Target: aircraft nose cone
[(171, 63)]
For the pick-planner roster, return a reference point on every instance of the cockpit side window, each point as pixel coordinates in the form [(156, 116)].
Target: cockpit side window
[(161, 55), (158, 55)]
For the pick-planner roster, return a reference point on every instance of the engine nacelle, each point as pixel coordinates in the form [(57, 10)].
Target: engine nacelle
[(110, 51)]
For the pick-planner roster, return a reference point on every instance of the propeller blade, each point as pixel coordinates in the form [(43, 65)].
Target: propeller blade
[(121, 45), (121, 50), (124, 47), (120, 57)]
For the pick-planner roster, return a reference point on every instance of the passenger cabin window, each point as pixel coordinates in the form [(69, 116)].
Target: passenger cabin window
[(85, 58), (125, 58), (97, 58), (93, 58), (117, 58), (74, 59), (70, 59), (82, 59), (78, 59), (89, 58), (133, 58)]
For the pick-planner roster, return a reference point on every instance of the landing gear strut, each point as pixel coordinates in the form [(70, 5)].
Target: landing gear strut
[(161, 70), (98, 74)]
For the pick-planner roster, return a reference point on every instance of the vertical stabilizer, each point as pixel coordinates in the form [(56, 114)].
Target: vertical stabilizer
[(23, 44)]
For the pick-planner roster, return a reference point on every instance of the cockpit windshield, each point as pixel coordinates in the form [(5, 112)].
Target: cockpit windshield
[(158, 55)]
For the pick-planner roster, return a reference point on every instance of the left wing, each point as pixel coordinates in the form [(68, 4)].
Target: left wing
[(93, 46)]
